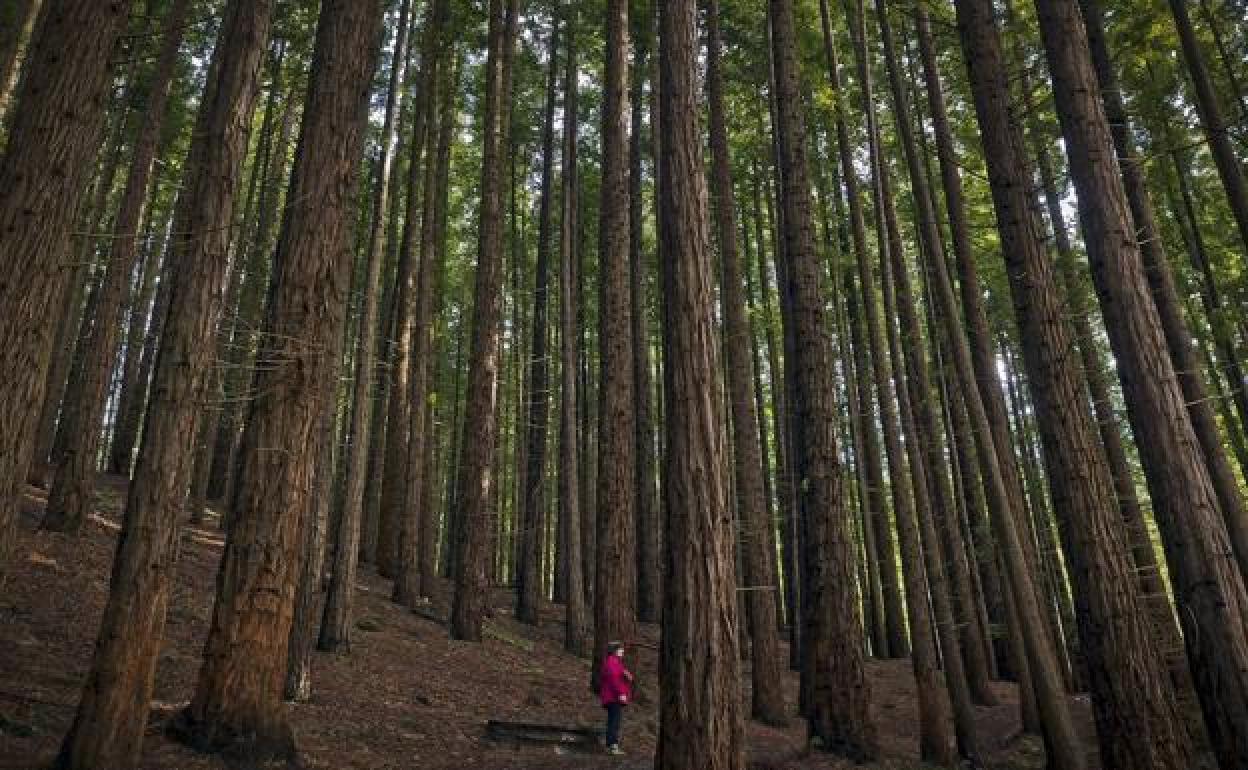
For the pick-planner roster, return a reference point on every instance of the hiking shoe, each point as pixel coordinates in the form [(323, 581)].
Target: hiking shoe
[(614, 749)]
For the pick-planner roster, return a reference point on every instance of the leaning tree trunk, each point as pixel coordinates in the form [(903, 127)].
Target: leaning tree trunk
[(927, 466), (78, 307), (336, 624), (767, 691), (977, 27), (700, 719), (1148, 572), (475, 480), (833, 633), (72, 492), (1161, 283), (112, 715), (1213, 122), (1137, 716), (1208, 586), (910, 506), (237, 703), (17, 21), (52, 138), (897, 645)]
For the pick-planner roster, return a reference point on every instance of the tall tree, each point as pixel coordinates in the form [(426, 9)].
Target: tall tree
[(395, 468), (645, 501), (615, 587), (407, 582), (336, 622), (1136, 712), (832, 630), (700, 719), (1208, 585), (475, 478), (895, 642), (767, 693), (53, 136), (981, 46), (428, 514), (1165, 294), (532, 525), (71, 495), (576, 630), (1215, 125), (237, 702), (112, 714)]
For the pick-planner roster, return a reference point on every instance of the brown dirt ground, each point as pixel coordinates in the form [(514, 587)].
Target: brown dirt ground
[(406, 696)]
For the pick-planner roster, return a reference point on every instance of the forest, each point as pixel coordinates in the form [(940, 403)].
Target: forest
[(870, 374)]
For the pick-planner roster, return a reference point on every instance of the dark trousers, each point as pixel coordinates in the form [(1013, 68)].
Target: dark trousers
[(615, 712)]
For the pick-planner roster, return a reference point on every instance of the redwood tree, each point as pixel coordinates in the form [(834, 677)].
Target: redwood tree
[(615, 588), (71, 494), (768, 704), (475, 475), (112, 715), (700, 719), (832, 629), (237, 705), (54, 134), (1208, 586)]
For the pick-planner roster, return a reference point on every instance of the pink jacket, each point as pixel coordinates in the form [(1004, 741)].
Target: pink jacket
[(614, 681)]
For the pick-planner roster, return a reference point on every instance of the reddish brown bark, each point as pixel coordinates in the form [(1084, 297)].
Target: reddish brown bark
[(700, 715), (237, 702), (52, 138)]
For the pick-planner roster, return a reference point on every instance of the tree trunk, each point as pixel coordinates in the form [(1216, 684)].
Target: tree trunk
[(576, 628), (981, 46), (81, 291), (336, 625), (528, 573), (237, 702), (1207, 584), (112, 715), (1152, 588), (395, 468), (17, 22), (1137, 717), (1161, 280), (252, 253), (1213, 122), (428, 513), (132, 386), (52, 138), (475, 478), (615, 585), (71, 495), (407, 587), (767, 692), (700, 719), (648, 523), (833, 634), (315, 530)]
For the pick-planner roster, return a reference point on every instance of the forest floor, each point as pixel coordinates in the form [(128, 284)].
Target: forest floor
[(406, 696)]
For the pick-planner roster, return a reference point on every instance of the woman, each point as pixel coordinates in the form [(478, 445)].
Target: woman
[(615, 684)]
